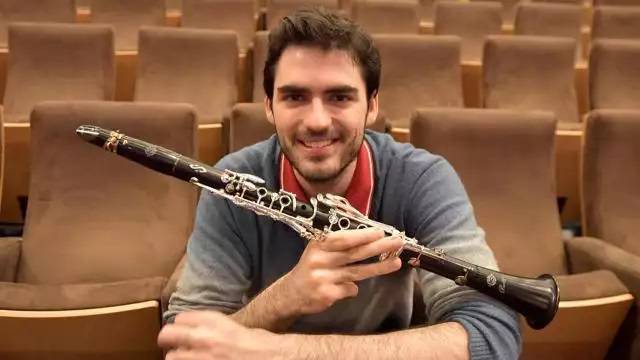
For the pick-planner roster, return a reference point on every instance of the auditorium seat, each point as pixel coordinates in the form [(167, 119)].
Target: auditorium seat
[(531, 73), (551, 19), (425, 10), (614, 74), (597, 3), (277, 9), (387, 16), (245, 116), (509, 8), (236, 15), (196, 66), (57, 62), (616, 22), (260, 48), (418, 71), (102, 236), (505, 161), (471, 21), (127, 16), (611, 204), (63, 11)]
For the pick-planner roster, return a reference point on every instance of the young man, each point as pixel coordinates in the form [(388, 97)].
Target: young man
[(321, 81)]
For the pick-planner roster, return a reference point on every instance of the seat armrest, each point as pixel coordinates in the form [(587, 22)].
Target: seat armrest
[(588, 254), (10, 249), (171, 285)]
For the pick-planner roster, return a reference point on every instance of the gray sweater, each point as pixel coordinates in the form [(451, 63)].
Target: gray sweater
[(233, 254)]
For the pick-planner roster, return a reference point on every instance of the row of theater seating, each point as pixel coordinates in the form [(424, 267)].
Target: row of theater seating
[(467, 19), (77, 274), (50, 62), (58, 62)]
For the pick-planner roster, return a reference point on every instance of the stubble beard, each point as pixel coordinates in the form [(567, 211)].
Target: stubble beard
[(315, 175)]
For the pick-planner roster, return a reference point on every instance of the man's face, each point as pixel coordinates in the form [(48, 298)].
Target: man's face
[(319, 110)]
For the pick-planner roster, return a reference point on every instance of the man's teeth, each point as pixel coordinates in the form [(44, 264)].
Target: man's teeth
[(317, 144)]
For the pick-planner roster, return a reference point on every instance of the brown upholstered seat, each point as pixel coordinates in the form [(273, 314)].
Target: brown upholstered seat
[(418, 71), (471, 21), (101, 231), (63, 11), (277, 9), (235, 15), (509, 8), (246, 125), (531, 73), (597, 3), (196, 66), (260, 48), (611, 210), (614, 74), (616, 22), (57, 62), (550, 19), (127, 16), (505, 161), (387, 16)]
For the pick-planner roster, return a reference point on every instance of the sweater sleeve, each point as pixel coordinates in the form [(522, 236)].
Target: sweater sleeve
[(442, 217), (218, 269)]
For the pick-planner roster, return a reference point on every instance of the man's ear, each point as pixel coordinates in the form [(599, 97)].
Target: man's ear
[(372, 109), (268, 108)]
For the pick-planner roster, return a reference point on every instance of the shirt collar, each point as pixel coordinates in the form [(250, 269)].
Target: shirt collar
[(360, 190)]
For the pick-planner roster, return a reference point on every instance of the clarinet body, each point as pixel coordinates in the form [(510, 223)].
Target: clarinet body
[(536, 299)]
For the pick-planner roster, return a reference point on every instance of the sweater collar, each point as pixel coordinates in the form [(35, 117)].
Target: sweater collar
[(360, 190)]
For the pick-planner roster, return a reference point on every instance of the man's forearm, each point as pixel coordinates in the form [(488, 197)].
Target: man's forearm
[(443, 341), (267, 311)]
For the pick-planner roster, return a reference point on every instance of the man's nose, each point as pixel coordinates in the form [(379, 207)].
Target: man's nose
[(318, 118)]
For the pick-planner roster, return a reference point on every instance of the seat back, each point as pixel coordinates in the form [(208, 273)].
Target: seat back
[(260, 48), (531, 73), (418, 71), (610, 177), (63, 11), (598, 3), (247, 125), (57, 62), (278, 9), (127, 16), (509, 8), (96, 217), (387, 16), (196, 66), (550, 19), (505, 161), (614, 74), (471, 21), (235, 15), (616, 22)]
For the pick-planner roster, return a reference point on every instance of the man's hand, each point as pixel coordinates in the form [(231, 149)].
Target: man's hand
[(325, 273), (212, 335)]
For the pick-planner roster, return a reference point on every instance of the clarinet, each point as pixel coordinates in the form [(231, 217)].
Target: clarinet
[(536, 299)]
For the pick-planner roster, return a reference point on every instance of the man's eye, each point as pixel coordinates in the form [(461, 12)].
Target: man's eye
[(340, 97), (292, 97)]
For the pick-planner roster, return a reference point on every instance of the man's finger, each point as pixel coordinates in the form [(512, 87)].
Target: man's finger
[(372, 249), (181, 336), (200, 318), (186, 354), (361, 272), (347, 239)]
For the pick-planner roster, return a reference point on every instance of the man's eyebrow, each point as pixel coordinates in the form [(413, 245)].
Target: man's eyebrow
[(292, 89), (342, 89)]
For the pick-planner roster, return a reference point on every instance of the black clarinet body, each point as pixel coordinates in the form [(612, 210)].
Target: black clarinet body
[(535, 298)]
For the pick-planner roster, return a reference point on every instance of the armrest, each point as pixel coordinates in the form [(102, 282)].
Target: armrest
[(10, 249), (588, 254), (171, 285)]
